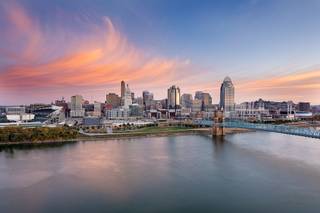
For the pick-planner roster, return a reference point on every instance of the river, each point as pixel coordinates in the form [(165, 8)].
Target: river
[(248, 172)]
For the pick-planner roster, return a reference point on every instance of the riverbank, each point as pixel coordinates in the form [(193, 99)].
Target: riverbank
[(145, 132)]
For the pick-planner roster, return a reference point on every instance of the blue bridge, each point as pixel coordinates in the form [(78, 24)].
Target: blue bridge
[(284, 129)]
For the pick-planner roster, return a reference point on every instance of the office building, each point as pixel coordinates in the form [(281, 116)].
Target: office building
[(127, 99), (113, 99), (76, 109), (136, 110), (227, 96), (147, 98), (119, 113), (205, 98), (123, 89), (186, 100), (304, 107), (173, 97)]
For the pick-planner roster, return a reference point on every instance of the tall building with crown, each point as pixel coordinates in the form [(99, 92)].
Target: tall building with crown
[(227, 96)]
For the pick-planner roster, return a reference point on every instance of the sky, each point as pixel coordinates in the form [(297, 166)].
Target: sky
[(53, 49)]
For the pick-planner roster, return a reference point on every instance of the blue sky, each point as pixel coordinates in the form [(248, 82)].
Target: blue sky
[(249, 40)]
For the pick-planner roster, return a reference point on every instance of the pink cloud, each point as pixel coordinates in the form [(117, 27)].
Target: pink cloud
[(103, 57)]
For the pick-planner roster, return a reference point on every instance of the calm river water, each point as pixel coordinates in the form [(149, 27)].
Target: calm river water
[(249, 172)]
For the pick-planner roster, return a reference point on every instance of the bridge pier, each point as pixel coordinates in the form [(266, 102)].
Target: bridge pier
[(217, 128)]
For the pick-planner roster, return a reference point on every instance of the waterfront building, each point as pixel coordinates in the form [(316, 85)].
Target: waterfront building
[(173, 97), (278, 110), (315, 109), (186, 100), (304, 107), (91, 121), (249, 111), (119, 113), (113, 99), (76, 109), (227, 97), (303, 115)]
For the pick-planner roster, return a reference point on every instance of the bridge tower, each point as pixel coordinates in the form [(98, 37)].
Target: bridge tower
[(217, 128)]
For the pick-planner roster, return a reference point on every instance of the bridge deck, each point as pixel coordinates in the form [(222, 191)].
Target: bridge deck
[(284, 129)]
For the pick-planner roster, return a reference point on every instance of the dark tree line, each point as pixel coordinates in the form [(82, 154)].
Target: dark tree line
[(20, 134)]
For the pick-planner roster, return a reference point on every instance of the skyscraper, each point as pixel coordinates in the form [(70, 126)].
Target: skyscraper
[(147, 99), (76, 109), (227, 96), (113, 99), (205, 98), (127, 99), (123, 88), (173, 97), (186, 100)]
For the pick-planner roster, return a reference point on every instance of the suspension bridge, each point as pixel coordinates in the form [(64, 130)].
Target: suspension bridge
[(284, 129)]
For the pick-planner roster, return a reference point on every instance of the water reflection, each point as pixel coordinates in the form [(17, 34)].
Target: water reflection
[(243, 172)]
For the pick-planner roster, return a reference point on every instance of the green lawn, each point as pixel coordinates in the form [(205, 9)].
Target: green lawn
[(155, 130)]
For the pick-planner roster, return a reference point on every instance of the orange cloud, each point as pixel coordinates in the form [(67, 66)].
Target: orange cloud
[(103, 57), (294, 80), (42, 65), (298, 86)]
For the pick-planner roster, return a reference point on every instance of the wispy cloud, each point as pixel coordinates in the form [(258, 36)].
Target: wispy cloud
[(40, 63), (103, 57), (297, 86)]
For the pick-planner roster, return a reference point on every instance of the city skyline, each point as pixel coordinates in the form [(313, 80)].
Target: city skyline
[(54, 49)]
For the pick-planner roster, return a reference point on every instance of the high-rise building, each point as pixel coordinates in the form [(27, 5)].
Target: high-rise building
[(186, 100), (113, 99), (205, 98), (198, 95), (173, 97), (123, 88), (227, 96), (127, 99), (76, 109), (147, 98)]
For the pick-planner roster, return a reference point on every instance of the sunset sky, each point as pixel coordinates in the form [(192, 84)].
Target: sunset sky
[(50, 49)]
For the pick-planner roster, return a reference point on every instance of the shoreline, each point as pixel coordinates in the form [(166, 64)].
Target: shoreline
[(128, 135)]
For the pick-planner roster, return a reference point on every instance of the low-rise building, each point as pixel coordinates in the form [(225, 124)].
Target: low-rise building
[(118, 113)]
